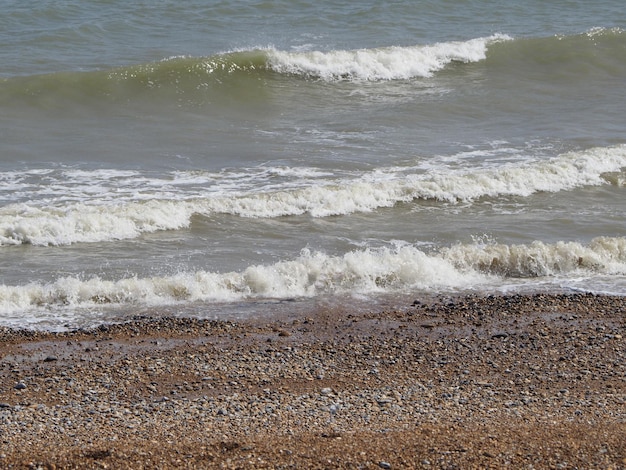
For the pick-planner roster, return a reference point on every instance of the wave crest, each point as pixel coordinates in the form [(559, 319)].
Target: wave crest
[(388, 63)]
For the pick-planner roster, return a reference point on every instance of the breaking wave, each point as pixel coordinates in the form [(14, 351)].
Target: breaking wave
[(388, 63), (202, 80), (367, 271), (118, 212)]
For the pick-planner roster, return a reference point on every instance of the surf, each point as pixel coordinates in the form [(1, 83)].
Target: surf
[(115, 212), (394, 269)]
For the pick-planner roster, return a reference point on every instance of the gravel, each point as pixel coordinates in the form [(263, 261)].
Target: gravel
[(526, 381)]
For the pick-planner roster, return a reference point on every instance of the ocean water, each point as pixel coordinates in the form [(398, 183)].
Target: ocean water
[(216, 159)]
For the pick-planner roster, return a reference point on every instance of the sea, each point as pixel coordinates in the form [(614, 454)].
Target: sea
[(226, 159)]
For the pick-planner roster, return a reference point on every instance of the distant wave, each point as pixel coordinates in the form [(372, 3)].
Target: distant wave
[(313, 273), (198, 80), (323, 196)]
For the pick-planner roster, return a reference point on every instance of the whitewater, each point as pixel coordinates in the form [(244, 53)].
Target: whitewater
[(151, 205)]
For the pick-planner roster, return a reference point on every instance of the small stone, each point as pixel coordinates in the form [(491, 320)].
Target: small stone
[(326, 391), (50, 359), (385, 465), (4, 405), (383, 401), (20, 386)]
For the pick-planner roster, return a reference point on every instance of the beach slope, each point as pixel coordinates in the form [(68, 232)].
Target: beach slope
[(526, 381)]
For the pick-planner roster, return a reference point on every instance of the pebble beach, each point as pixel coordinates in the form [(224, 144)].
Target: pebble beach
[(521, 381)]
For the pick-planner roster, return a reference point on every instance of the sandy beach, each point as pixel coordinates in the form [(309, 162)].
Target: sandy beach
[(523, 381)]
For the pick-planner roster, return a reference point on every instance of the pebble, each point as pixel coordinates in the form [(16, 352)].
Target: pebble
[(419, 376)]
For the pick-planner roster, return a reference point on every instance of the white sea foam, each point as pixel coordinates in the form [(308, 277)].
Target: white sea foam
[(125, 213), (388, 63), (604, 255), (402, 268), (76, 223), (312, 273)]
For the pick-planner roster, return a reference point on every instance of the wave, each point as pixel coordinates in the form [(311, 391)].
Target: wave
[(385, 63), (122, 213), (367, 271), (242, 73)]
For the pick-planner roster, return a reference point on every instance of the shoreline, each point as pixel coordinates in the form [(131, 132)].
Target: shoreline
[(471, 382)]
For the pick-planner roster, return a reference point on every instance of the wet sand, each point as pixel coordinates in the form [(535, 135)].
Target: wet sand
[(535, 381)]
